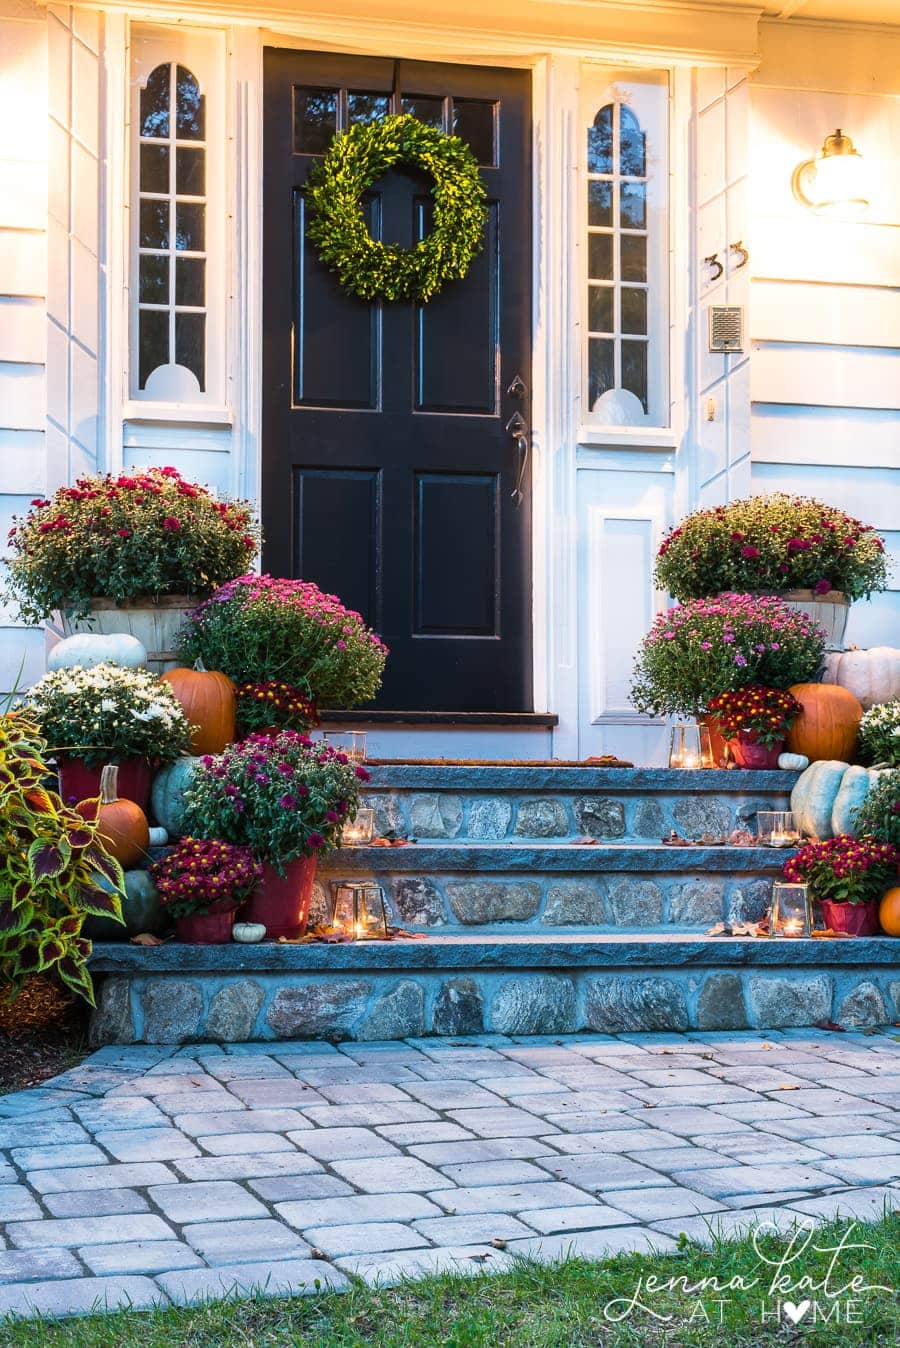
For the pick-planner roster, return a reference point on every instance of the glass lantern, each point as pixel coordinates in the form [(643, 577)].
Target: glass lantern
[(690, 746), (358, 910), (349, 742), (776, 828), (359, 831), (791, 912)]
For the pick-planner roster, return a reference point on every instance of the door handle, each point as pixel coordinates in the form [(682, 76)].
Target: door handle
[(517, 427)]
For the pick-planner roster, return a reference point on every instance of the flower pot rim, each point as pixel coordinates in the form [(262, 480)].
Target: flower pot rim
[(103, 604)]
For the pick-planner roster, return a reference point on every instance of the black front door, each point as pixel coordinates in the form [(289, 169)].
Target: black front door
[(388, 472)]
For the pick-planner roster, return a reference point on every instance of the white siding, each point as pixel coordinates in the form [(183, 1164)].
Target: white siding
[(825, 302), (23, 289)]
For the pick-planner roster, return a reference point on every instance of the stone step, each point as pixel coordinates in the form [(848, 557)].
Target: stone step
[(554, 983), (536, 885), (482, 803)]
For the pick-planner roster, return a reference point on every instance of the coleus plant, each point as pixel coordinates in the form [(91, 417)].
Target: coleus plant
[(54, 871)]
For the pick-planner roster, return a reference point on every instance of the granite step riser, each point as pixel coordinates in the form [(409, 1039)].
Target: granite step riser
[(535, 901), (618, 816), (234, 1007)]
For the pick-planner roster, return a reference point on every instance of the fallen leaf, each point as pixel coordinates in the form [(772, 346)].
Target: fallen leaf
[(786, 1087), (480, 1258), (498, 1244), (317, 1254), (829, 1025), (146, 938)]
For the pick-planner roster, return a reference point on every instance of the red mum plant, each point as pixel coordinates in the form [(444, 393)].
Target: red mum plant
[(126, 537), (844, 869), (773, 543), (766, 713), (198, 874), (262, 706)]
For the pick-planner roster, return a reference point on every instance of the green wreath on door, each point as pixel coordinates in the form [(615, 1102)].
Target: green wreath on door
[(355, 160)]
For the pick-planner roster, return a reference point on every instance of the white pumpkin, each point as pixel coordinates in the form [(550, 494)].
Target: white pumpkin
[(158, 837), (248, 933), (87, 649), (872, 676), (793, 762), (827, 798)]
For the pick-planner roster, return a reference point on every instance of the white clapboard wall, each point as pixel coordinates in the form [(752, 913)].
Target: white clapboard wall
[(825, 298), (23, 289)]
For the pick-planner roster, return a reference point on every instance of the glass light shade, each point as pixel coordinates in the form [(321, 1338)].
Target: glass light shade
[(358, 910), (776, 828), (791, 912), (349, 742), (834, 183), (359, 830), (690, 746)]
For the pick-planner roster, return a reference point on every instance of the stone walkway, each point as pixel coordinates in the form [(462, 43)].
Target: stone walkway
[(152, 1175)]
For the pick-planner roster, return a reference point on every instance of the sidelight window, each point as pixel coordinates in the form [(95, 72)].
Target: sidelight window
[(176, 232), (625, 224)]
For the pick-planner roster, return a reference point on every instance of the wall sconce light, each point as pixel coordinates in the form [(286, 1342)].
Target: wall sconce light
[(832, 183)]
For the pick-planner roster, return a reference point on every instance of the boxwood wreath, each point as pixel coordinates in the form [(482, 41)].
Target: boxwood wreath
[(356, 159)]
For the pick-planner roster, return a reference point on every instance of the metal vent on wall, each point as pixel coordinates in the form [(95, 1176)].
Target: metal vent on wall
[(726, 327)]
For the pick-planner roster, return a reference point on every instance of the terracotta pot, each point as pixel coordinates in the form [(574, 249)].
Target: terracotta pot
[(154, 622), (855, 919), (79, 781), (748, 753), (281, 902), (210, 928)]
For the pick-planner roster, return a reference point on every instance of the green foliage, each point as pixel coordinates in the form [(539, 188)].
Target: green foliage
[(260, 629), (124, 538), (879, 734), (880, 813), (709, 646), (109, 712), (54, 872), (775, 542), (282, 796), (338, 229)]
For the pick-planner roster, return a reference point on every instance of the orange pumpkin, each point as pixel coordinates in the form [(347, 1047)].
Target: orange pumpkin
[(829, 724), (889, 912), (121, 824), (210, 705)]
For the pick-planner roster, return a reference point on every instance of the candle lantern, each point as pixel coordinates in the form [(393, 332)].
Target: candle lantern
[(349, 742), (356, 832), (690, 746), (358, 910), (776, 828), (791, 912)]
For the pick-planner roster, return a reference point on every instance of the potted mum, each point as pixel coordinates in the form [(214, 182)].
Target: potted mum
[(847, 876), (201, 884), (754, 722), (289, 638), (108, 714), (879, 734), (127, 553), (813, 554), (286, 799), (711, 646)]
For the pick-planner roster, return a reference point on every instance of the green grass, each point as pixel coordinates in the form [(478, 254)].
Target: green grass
[(535, 1306)]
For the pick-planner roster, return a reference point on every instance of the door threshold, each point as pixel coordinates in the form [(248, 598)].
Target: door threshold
[(498, 720)]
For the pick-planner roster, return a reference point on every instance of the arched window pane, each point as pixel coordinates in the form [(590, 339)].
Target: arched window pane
[(190, 107), (632, 154), (600, 146), (155, 103)]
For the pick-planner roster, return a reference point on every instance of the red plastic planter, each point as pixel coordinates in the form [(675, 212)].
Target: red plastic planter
[(748, 753), (281, 902), (210, 928), (78, 781), (854, 919)]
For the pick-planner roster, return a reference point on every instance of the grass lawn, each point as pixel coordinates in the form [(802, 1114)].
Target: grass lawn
[(561, 1305)]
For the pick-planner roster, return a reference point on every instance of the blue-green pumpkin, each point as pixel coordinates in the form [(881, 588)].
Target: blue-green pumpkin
[(167, 794)]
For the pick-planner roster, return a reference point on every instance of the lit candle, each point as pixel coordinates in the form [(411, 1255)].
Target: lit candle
[(792, 926)]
